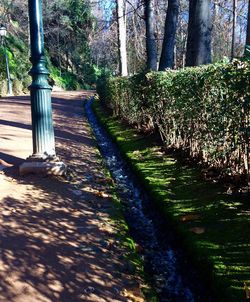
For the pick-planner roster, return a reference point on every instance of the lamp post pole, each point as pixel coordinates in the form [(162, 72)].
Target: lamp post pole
[(8, 72), (40, 91), (43, 159), (3, 33)]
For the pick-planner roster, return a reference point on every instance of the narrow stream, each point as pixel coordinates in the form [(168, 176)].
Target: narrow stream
[(171, 276)]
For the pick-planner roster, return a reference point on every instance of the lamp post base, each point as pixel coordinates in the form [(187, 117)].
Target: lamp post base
[(41, 167)]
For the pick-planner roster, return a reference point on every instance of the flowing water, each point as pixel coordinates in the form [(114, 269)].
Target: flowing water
[(172, 276)]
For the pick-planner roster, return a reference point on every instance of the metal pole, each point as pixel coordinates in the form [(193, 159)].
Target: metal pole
[(40, 91), (9, 84)]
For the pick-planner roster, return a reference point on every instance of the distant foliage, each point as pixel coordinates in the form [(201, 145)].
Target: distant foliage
[(19, 66), (203, 110), (68, 25)]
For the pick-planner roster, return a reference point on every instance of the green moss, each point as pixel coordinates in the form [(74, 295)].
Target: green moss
[(222, 250)]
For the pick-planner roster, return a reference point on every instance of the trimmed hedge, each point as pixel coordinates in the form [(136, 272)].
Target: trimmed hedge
[(221, 253), (202, 110)]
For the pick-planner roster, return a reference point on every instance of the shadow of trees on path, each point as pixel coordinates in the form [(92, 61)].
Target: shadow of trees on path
[(58, 244)]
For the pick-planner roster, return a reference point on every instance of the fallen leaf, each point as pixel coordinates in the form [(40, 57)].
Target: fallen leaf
[(197, 230), (104, 180), (247, 290), (190, 217), (102, 194), (135, 294)]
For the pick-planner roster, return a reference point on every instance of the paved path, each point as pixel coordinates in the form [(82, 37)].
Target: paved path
[(57, 241)]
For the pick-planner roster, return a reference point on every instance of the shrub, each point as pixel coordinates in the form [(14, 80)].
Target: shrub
[(202, 110)]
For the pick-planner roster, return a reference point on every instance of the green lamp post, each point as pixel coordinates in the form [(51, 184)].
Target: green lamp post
[(40, 91), (3, 33), (44, 157)]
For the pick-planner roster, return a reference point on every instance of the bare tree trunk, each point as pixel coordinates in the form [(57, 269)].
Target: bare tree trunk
[(150, 36), (199, 33), (234, 29), (248, 25), (122, 37), (167, 54)]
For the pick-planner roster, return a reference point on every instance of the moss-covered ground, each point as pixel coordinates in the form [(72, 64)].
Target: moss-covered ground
[(213, 225)]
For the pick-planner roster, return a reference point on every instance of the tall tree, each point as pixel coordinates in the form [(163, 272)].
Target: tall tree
[(248, 25), (151, 47), (167, 54), (199, 33), (234, 29), (122, 36)]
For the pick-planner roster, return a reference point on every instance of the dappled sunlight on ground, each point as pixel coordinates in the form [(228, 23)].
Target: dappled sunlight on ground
[(58, 242), (51, 247)]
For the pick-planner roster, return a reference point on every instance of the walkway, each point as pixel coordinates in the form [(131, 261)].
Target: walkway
[(58, 242)]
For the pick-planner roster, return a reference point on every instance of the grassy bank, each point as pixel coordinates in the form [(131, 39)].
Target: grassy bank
[(213, 225)]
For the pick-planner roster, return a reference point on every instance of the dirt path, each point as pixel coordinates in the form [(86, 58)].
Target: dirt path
[(57, 241)]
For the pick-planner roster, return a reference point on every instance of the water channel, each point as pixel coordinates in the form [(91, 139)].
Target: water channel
[(171, 274)]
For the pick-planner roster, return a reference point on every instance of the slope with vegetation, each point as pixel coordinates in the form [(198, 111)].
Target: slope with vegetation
[(67, 28)]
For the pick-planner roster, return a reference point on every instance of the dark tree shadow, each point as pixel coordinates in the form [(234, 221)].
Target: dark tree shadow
[(54, 244)]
